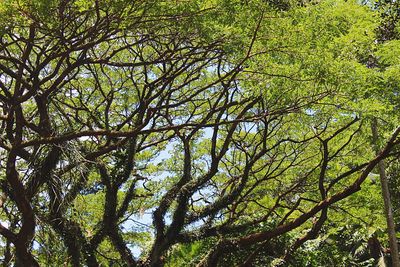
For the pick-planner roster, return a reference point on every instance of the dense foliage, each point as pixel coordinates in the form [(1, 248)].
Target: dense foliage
[(196, 133)]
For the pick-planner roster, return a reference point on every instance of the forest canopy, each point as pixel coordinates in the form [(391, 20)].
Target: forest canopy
[(197, 133)]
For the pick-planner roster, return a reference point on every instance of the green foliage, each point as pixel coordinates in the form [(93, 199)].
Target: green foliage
[(184, 130)]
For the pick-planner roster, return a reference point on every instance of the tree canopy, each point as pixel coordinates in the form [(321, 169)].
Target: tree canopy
[(196, 133)]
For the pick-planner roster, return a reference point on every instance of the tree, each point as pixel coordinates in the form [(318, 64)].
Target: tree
[(229, 122)]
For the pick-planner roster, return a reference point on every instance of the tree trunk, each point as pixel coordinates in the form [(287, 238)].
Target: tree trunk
[(394, 252)]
